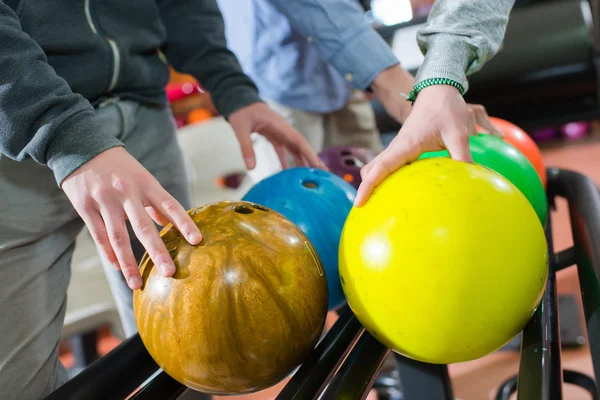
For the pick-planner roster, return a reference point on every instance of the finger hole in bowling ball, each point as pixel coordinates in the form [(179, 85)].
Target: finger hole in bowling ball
[(243, 209), (310, 184), (259, 207), (350, 162), (345, 153)]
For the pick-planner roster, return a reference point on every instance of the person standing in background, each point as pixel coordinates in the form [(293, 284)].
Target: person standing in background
[(313, 60), (295, 80)]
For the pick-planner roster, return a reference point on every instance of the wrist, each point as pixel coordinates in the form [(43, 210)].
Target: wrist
[(447, 56), (431, 82), (77, 140)]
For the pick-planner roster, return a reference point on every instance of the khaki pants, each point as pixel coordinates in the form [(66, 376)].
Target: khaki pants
[(353, 125)]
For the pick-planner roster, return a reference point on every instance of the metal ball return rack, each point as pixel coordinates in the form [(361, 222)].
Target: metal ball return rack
[(346, 362)]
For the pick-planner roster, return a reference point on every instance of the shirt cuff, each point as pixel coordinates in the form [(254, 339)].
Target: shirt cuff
[(81, 138), (234, 97), (446, 56), (363, 58)]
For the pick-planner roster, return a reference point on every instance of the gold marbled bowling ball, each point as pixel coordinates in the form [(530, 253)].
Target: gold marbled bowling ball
[(245, 307)]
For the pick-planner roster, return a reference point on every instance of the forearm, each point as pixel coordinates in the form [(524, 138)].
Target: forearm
[(389, 87), (40, 117), (460, 36), (338, 29), (196, 45)]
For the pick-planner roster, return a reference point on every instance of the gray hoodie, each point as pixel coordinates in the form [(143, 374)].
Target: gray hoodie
[(59, 58), (461, 36)]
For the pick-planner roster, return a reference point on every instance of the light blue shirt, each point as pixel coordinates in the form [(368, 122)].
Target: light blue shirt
[(306, 54)]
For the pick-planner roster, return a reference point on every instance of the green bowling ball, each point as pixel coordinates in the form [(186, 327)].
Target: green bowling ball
[(494, 153)]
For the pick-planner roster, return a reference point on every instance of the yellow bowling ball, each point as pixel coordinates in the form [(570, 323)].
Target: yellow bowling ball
[(446, 262)]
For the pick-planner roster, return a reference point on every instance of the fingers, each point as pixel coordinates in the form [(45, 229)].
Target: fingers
[(148, 235), (303, 154), (283, 149), (313, 159), (483, 119), (472, 127), (112, 188), (400, 152), (457, 145), (156, 216), (300, 160), (406, 148), (165, 204), (261, 119), (301, 148), (365, 170), (92, 219), (295, 142), (114, 219), (281, 153), (242, 132), (109, 231)]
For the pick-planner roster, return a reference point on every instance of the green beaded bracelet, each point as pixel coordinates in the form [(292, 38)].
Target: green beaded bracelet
[(430, 82)]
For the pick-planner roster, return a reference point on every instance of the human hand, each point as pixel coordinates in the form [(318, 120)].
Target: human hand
[(114, 187), (389, 86), (440, 120), (479, 116), (260, 118)]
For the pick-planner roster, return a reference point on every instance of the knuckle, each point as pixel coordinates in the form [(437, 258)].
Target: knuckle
[(88, 204), (118, 238), (170, 205), (383, 167), (100, 237), (120, 184), (142, 226), (101, 193), (143, 177)]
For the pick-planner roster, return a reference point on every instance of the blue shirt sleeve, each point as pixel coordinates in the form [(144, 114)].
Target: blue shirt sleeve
[(343, 37)]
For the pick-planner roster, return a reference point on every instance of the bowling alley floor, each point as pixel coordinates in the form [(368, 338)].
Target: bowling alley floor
[(479, 380)]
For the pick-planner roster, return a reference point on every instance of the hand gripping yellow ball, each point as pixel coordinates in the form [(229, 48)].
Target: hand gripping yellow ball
[(446, 262)]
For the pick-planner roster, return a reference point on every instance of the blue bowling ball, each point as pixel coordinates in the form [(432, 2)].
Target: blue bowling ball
[(318, 202)]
